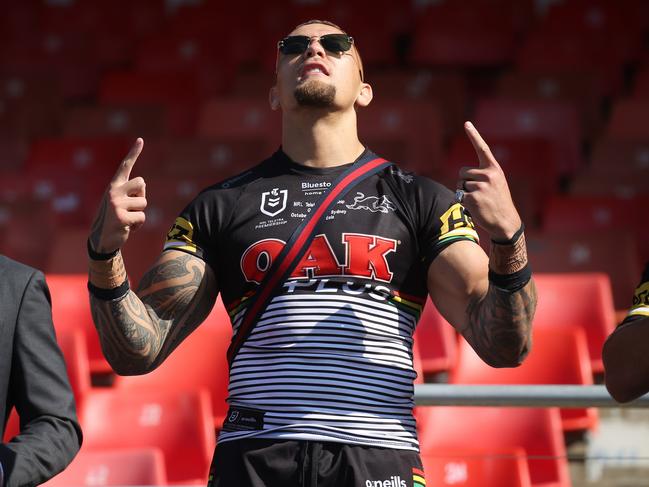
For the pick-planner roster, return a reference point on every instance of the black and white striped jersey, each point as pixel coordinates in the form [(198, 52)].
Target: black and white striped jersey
[(330, 358)]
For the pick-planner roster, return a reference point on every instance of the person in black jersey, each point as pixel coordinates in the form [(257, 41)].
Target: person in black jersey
[(626, 362), (321, 389)]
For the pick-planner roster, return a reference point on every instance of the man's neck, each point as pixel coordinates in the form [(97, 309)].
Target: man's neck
[(317, 139)]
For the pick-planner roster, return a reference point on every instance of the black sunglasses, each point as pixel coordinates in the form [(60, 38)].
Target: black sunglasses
[(334, 43)]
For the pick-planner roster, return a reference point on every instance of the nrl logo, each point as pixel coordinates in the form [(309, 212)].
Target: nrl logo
[(371, 203), (273, 202)]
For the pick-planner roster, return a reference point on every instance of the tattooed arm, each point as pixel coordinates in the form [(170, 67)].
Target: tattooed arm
[(138, 331), (496, 323)]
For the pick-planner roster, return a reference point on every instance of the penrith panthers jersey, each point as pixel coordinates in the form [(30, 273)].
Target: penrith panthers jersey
[(330, 359)]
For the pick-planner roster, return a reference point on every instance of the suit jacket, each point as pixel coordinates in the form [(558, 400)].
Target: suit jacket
[(33, 378)]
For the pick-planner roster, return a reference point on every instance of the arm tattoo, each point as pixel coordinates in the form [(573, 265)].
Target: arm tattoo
[(140, 330), (98, 224), (500, 323), (507, 259)]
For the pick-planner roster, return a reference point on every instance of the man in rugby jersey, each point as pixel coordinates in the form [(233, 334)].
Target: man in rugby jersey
[(626, 362), (321, 391)]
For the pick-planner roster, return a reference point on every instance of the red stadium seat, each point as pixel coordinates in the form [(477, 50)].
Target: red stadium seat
[(407, 132), (199, 362), (447, 90), (447, 34), (559, 355), (75, 353), (151, 120), (526, 161), (603, 214), (179, 93), (556, 121), (583, 90), (13, 426), (492, 430), (470, 467), (71, 311), (628, 119), (210, 159), (581, 301), (436, 341), (137, 466), (243, 119), (571, 252), (625, 156), (179, 424)]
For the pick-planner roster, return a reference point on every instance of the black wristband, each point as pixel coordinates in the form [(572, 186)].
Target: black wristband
[(514, 239), (511, 282), (98, 255), (109, 294)]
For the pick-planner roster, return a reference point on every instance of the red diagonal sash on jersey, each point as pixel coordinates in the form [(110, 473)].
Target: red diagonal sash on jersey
[(298, 243)]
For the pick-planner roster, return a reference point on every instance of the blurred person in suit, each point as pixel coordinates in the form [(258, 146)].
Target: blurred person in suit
[(34, 379), (625, 352)]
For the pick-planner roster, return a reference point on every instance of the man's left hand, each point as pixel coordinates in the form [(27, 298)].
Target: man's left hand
[(486, 193)]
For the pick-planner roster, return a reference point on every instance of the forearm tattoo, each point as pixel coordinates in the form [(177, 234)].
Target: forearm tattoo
[(98, 224), (507, 259), (500, 323), (138, 331), (107, 274)]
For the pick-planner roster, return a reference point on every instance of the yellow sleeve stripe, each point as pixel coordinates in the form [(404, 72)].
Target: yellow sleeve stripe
[(461, 232)]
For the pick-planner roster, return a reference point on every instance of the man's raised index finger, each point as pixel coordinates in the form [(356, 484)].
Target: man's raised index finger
[(124, 169), (482, 149)]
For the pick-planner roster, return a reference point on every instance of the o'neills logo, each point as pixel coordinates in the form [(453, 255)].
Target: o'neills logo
[(365, 256), (394, 481)]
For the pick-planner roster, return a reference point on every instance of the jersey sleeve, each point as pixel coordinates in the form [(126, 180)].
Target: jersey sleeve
[(442, 220), (195, 230)]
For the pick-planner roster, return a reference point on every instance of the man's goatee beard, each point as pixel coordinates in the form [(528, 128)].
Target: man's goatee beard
[(315, 94)]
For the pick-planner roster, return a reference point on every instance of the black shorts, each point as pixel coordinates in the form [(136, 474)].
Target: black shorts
[(290, 463)]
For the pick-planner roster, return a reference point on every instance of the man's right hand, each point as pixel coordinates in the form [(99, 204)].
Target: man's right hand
[(122, 206)]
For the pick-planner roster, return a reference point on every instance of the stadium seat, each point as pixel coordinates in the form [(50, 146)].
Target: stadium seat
[(210, 159), (575, 300), (436, 340), (583, 90), (471, 467), (446, 90), (446, 34), (179, 424), (494, 429), (122, 119), (113, 467), (627, 120), (559, 355), (13, 426), (407, 132), (528, 165), (75, 353), (199, 362), (178, 93), (243, 119), (603, 214), (625, 156), (71, 311), (576, 252), (556, 121)]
